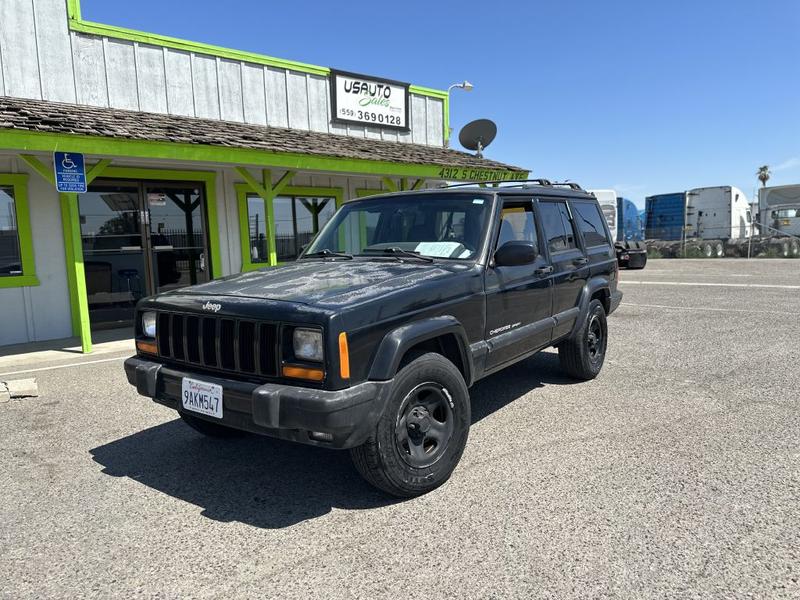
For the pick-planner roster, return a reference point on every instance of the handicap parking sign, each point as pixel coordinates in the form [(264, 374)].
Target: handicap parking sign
[(70, 172)]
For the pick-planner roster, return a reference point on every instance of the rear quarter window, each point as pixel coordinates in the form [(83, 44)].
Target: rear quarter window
[(590, 221)]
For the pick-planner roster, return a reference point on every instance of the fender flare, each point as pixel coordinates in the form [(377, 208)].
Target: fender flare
[(398, 341), (592, 285)]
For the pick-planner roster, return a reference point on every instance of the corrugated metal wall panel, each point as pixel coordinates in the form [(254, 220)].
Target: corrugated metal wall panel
[(277, 108), (120, 65), (419, 127), (204, 84), (297, 99), (55, 54), (18, 46), (151, 79), (180, 89), (253, 94), (230, 90), (90, 70)]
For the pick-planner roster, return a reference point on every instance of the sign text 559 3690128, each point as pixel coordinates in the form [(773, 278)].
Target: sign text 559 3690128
[(369, 101)]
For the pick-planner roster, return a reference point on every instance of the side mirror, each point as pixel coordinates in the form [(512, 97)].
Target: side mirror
[(515, 253)]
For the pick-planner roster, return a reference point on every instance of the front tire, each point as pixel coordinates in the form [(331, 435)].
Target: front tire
[(209, 429), (422, 433), (582, 357)]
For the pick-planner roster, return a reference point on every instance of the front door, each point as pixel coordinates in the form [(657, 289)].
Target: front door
[(518, 298), (139, 239), (175, 236)]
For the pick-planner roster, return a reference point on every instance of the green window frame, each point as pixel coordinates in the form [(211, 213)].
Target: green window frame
[(19, 186), (244, 194)]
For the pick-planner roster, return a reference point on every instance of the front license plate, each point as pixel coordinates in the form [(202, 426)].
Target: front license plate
[(202, 397)]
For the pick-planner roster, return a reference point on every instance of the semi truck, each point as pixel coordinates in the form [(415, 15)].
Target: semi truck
[(626, 229), (718, 221), (779, 210)]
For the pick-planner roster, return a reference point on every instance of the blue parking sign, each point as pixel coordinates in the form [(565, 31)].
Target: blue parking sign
[(70, 172)]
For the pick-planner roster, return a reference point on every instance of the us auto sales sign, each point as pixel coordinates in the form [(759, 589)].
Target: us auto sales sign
[(369, 101)]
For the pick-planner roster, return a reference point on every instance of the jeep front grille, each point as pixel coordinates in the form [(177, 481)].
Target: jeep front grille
[(220, 343)]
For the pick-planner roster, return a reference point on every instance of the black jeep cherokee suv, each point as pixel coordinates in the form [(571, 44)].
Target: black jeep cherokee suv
[(371, 340)]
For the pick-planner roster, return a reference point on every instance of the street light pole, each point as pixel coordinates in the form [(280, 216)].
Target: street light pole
[(467, 87)]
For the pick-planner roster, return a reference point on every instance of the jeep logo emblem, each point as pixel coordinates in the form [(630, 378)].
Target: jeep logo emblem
[(212, 307)]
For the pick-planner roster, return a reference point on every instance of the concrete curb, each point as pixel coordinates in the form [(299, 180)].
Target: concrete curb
[(18, 388)]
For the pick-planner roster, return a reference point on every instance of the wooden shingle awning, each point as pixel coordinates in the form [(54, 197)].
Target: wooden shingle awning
[(55, 118)]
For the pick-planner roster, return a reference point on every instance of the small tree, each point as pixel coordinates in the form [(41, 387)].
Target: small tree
[(763, 175)]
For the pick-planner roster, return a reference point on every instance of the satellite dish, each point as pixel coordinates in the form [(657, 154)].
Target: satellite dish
[(477, 135)]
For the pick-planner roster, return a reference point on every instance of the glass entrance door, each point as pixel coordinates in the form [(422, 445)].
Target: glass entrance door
[(176, 236), (113, 252), (140, 239)]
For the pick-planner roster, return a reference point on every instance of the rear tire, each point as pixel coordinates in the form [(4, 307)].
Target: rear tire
[(209, 429), (582, 357), (422, 433)]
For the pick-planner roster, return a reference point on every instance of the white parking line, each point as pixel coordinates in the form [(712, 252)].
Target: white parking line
[(708, 308), (77, 364), (690, 283)]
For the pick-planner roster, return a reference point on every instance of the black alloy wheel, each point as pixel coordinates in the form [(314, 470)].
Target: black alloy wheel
[(424, 425), (595, 338), (582, 355)]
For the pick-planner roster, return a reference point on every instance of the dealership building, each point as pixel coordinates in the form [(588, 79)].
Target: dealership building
[(197, 162)]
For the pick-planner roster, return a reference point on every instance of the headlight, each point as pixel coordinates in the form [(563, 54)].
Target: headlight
[(308, 344), (149, 324)]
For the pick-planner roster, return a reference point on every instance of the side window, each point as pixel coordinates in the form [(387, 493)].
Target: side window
[(517, 223), (10, 255), (557, 226), (569, 227), (590, 221)]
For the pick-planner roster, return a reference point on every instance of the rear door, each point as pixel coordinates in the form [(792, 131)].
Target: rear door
[(570, 265), (589, 221), (518, 298)]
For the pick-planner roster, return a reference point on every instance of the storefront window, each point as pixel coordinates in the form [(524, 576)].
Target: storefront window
[(10, 255), (17, 266), (297, 221), (257, 225)]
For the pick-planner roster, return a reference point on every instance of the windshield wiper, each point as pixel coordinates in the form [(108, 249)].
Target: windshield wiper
[(395, 251), (326, 252)]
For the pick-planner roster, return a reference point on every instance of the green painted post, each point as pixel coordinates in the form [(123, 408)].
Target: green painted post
[(75, 270)]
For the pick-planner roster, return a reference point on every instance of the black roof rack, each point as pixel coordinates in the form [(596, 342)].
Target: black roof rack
[(522, 183), (514, 183)]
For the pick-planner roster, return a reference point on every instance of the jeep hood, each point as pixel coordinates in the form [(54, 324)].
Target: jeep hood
[(327, 283)]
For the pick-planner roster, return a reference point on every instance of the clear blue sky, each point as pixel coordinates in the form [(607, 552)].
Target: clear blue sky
[(645, 97)]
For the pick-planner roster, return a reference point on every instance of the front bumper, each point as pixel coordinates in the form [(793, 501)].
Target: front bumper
[(277, 410)]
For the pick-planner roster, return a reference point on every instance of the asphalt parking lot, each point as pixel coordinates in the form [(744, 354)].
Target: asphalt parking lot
[(675, 474)]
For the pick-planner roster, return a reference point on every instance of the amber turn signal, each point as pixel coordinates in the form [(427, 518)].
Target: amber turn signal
[(303, 373), (344, 356), (147, 347)]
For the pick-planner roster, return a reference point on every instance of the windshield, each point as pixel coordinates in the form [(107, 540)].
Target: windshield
[(786, 213), (448, 226)]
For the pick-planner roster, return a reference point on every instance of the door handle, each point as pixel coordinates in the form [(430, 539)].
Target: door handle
[(579, 262), (543, 271)]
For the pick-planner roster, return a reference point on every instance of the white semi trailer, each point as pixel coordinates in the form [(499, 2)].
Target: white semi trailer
[(717, 213)]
